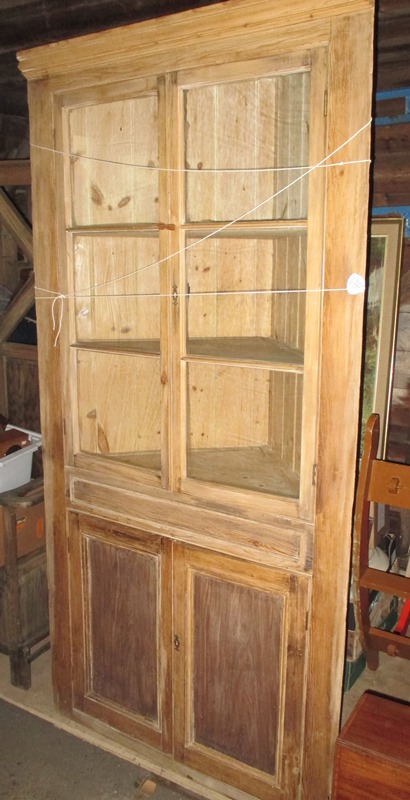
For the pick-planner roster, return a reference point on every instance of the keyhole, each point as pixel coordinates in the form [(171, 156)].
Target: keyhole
[(177, 643)]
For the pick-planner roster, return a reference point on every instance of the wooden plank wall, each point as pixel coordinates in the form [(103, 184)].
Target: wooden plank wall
[(19, 392), (391, 188)]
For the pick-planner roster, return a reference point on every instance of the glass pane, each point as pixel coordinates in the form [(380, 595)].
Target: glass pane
[(260, 124), (244, 427), (110, 307), (239, 302), (119, 414), (113, 175)]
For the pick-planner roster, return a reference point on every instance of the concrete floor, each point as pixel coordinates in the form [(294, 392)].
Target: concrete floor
[(391, 678), (38, 762), (45, 756), (41, 762)]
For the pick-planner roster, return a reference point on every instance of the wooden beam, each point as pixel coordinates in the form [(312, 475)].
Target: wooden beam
[(16, 225), (17, 309), (15, 172), (25, 352), (21, 232)]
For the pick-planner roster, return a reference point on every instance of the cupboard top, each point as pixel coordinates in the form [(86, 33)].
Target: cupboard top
[(229, 20)]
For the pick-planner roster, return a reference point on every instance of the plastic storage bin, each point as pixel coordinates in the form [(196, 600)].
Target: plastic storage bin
[(15, 469)]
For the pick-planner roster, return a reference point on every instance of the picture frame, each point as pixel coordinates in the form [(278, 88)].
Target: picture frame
[(385, 254)]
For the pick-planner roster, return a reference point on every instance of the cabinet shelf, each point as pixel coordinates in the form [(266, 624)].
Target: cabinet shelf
[(254, 468), (134, 346), (148, 460), (247, 348), (227, 348)]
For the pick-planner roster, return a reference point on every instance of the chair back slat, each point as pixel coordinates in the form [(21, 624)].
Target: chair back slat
[(385, 483), (389, 484)]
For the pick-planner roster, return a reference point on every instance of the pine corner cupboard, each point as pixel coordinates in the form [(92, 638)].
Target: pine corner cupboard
[(200, 199)]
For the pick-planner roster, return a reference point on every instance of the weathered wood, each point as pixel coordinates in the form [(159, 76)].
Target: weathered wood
[(372, 755), (229, 22), (44, 207), (38, 26), (107, 408), (230, 623), (391, 140), (17, 309), (27, 352), (345, 252), (15, 172), (276, 543), (397, 196), (127, 584), (19, 229), (23, 404), (24, 617)]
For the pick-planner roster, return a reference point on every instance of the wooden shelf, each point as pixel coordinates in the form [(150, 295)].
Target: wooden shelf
[(131, 346), (226, 348), (247, 348), (146, 460), (255, 468)]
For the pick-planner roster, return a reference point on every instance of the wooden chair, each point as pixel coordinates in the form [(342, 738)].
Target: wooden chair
[(386, 483)]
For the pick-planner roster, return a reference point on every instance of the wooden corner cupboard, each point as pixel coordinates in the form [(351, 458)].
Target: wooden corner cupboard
[(200, 199)]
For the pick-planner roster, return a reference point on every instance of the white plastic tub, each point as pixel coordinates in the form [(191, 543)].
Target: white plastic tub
[(15, 469)]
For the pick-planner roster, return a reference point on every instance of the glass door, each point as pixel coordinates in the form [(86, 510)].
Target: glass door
[(246, 271), (116, 249)]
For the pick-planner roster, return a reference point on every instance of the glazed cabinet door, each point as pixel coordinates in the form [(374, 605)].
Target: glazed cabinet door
[(250, 231), (120, 584), (239, 658), (117, 273), (193, 229)]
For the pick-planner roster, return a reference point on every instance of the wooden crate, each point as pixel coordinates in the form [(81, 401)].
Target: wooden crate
[(24, 618), (33, 597), (372, 757), (30, 531)]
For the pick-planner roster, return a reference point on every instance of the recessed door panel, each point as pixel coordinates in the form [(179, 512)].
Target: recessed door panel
[(238, 631), (240, 665), (121, 622)]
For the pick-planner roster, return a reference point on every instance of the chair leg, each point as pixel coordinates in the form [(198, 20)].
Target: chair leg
[(20, 667), (372, 659)]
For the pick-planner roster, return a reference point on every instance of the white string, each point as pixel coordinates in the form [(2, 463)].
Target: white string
[(240, 292), (192, 170), (79, 292), (355, 285), (60, 320)]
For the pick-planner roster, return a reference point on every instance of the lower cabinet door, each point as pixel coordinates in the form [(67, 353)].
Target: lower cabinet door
[(239, 664), (121, 628)]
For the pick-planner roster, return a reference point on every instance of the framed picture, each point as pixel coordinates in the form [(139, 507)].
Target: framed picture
[(385, 254)]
